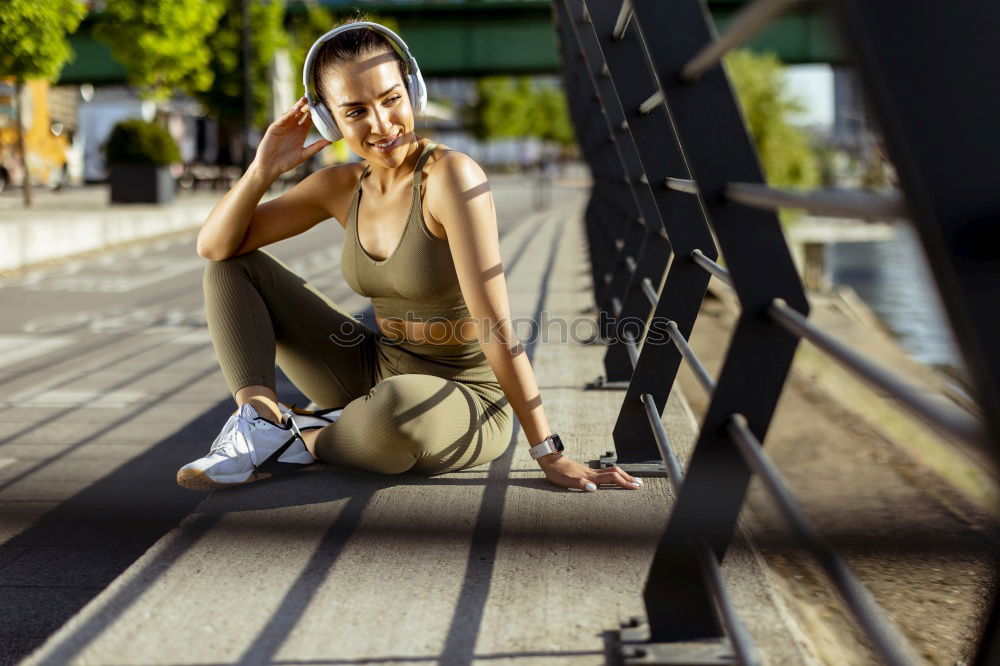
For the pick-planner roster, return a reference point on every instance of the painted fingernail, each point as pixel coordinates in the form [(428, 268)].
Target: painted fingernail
[(638, 482), (635, 485), (590, 486)]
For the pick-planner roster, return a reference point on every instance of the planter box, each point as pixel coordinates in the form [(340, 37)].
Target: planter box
[(141, 184)]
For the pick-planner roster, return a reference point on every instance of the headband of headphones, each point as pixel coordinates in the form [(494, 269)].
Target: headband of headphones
[(322, 118)]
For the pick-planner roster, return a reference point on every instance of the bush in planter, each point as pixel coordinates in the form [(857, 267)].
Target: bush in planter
[(139, 155)]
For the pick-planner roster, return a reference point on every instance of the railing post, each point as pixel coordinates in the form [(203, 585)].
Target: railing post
[(645, 251), (946, 89), (593, 141), (717, 150), (679, 214)]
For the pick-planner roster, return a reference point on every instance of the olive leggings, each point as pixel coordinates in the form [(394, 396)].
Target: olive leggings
[(425, 408)]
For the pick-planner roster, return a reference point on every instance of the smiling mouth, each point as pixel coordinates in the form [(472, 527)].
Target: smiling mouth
[(387, 142)]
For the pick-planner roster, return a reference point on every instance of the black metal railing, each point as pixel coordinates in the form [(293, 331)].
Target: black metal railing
[(677, 183)]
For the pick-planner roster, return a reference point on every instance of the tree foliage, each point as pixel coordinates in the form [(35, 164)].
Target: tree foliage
[(551, 117), (163, 44), (33, 36), (224, 99), (33, 45), (509, 106), (786, 155), (305, 28)]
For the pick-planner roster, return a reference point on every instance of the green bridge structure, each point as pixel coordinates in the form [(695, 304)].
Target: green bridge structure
[(483, 37)]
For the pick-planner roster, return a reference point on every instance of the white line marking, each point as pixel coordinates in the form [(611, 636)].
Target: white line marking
[(16, 348), (112, 399)]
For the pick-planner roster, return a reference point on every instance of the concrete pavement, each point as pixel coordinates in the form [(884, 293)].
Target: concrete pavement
[(334, 565), (109, 384)]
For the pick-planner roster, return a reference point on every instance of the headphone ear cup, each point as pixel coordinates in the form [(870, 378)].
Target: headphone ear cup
[(324, 122), (418, 93)]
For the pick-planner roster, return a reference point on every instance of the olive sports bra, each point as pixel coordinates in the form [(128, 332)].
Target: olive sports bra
[(418, 280)]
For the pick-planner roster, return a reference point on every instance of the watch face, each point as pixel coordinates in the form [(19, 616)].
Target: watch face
[(557, 443)]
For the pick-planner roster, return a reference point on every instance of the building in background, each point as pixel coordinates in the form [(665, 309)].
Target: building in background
[(48, 123)]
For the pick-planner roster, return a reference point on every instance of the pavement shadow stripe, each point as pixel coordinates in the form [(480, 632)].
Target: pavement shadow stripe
[(95, 618), (460, 646), (77, 634), (485, 539), (74, 352), (136, 504), (134, 413)]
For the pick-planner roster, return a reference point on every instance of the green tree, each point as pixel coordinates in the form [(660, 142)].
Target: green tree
[(786, 154), (33, 44), (550, 117), (509, 106), (304, 28), (224, 99), (501, 109), (163, 44)]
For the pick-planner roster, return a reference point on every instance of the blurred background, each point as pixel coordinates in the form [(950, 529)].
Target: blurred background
[(214, 73)]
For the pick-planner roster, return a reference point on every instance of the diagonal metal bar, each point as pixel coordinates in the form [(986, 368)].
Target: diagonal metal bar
[(712, 267), (717, 151), (675, 469), (736, 630), (747, 23), (624, 16), (844, 204), (949, 420), (700, 373), (886, 638), (681, 216), (650, 292), (682, 185)]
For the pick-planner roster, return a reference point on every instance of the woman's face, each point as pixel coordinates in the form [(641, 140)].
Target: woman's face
[(370, 104)]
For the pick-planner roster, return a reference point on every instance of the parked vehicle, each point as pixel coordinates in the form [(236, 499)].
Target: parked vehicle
[(47, 144)]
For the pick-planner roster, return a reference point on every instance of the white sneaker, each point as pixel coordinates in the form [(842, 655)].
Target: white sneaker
[(249, 448), (307, 419)]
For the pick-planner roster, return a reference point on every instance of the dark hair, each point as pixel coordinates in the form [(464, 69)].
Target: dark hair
[(349, 46)]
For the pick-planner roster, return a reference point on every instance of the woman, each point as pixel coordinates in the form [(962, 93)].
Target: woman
[(432, 391)]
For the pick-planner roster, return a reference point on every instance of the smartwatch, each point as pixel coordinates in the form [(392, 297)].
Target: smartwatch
[(550, 444)]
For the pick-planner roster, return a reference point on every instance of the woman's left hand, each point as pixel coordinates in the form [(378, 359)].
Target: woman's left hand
[(568, 473)]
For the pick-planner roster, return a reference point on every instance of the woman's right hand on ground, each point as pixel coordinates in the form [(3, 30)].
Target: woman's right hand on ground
[(568, 473), (281, 148)]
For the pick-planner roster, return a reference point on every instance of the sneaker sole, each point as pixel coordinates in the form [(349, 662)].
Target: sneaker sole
[(193, 479)]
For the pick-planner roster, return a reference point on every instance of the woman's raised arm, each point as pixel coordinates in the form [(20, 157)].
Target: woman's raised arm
[(238, 224)]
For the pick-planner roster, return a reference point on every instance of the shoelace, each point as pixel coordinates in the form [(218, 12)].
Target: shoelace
[(228, 444), (227, 428)]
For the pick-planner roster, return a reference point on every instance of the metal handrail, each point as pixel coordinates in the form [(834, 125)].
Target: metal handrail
[(712, 267), (747, 23), (742, 641), (607, 59), (700, 373), (843, 204), (947, 419), (685, 185), (886, 638), (675, 467)]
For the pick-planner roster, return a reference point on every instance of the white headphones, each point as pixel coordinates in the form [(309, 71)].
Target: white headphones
[(321, 116)]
